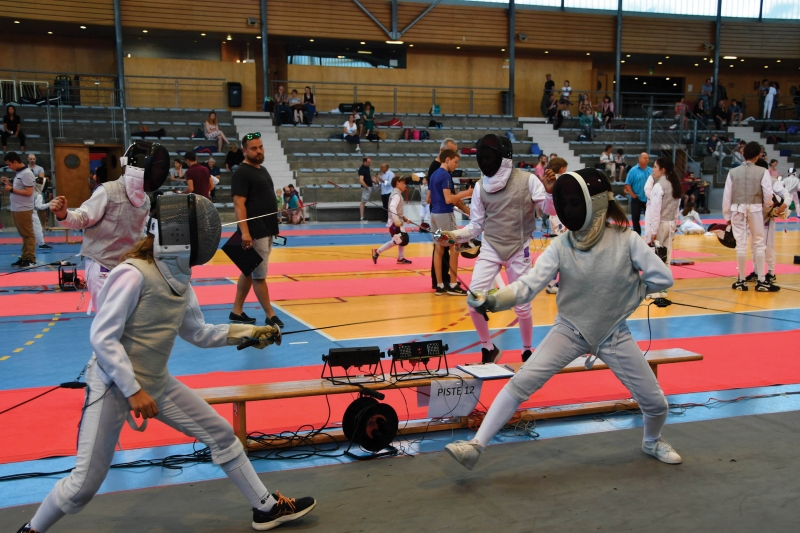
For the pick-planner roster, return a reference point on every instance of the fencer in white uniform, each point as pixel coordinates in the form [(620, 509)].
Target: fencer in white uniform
[(792, 184), (396, 219), (605, 272), (779, 208), (146, 303), (114, 218), (503, 208), (748, 188), (662, 210)]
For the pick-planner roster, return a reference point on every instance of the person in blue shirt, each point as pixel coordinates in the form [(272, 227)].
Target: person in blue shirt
[(443, 217), (634, 187)]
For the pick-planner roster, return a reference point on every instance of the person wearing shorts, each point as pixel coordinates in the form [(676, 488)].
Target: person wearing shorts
[(365, 180), (443, 218), (252, 191)]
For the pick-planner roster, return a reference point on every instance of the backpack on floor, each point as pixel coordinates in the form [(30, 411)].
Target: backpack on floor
[(792, 130), (435, 109), (434, 124), (468, 151), (424, 135), (535, 150)]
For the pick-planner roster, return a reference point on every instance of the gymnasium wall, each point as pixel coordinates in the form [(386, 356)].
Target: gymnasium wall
[(22, 52)]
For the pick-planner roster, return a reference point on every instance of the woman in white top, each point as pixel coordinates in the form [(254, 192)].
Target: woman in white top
[(351, 132), (608, 160), (768, 99), (176, 173), (213, 132), (738, 156), (425, 208), (691, 223), (663, 204), (565, 92)]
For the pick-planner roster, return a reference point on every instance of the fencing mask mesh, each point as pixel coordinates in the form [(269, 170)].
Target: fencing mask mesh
[(577, 196), (152, 160), (491, 150)]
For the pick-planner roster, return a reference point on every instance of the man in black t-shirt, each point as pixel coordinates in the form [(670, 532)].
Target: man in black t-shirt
[(254, 195), (549, 85), (365, 179)]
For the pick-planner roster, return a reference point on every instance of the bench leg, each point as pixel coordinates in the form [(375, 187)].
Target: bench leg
[(240, 422), (654, 368)]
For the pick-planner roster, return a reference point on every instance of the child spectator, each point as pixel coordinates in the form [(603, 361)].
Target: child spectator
[(279, 200), (619, 160), (607, 160), (425, 208), (297, 107)]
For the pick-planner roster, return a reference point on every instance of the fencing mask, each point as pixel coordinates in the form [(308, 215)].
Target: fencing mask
[(471, 249), (724, 234), (146, 167), (492, 149), (581, 202), (187, 232)]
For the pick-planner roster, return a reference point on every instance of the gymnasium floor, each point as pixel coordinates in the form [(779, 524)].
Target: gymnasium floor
[(325, 277)]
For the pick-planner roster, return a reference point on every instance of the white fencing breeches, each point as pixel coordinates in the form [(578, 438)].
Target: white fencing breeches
[(96, 276), (107, 408), (769, 244), (767, 106), (37, 228), (665, 235), (740, 223)]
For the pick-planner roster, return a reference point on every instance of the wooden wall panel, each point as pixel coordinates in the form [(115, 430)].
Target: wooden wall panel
[(72, 182), (199, 15), (656, 35), (97, 12), (574, 31), (57, 54), (336, 19), (766, 39)]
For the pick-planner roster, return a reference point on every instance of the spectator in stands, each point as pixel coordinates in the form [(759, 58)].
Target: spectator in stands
[(762, 94), (198, 178), (365, 179), (553, 155), (297, 107), (682, 112), (705, 91), (351, 133), (619, 160), (695, 192), (713, 145), (213, 132), (607, 111), (279, 200), (213, 169), (386, 176), (282, 110), (735, 113), (634, 187), (368, 121), (291, 207), (176, 173), (738, 156), (554, 115), (607, 160), (770, 100), (549, 85), (585, 103), (309, 105), (21, 195), (541, 166), (701, 111), (233, 158), (566, 90), (101, 173), (796, 102), (587, 123), (721, 115), (12, 125), (776, 98), (773, 169)]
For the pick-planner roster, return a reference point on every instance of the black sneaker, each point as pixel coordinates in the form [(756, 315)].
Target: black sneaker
[(45, 247), (752, 278), (403, 261), (286, 510), (275, 321), (375, 255), (526, 355), (241, 319), (456, 291), (766, 286), (740, 285), (18, 263), (770, 278), (26, 529), (440, 291), (492, 356)]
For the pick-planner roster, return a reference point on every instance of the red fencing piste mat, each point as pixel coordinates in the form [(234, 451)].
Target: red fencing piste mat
[(731, 361)]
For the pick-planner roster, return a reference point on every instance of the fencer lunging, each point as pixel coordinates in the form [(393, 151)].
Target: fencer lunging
[(114, 217), (395, 223), (605, 272), (146, 302), (503, 208)]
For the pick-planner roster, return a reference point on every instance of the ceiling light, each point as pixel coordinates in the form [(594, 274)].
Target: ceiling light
[(644, 83), (502, 49), (660, 62), (729, 57), (394, 42), (765, 66), (741, 59), (129, 55), (667, 57), (674, 84), (778, 61), (238, 60), (731, 66), (628, 55), (411, 46), (710, 60), (144, 31), (458, 48), (229, 38), (362, 42), (697, 64), (311, 40), (364, 52), (49, 33), (202, 35), (16, 22), (635, 78), (258, 37), (705, 59), (667, 79), (588, 54), (83, 27), (546, 52), (622, 61)]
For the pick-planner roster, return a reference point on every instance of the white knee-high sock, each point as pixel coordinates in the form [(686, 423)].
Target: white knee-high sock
[(503, 408), (386, 247), (526, 332), (241, 472), (759, 265), (401, 252), (741, 264), (653, 426), (482, 327), (47, 514)]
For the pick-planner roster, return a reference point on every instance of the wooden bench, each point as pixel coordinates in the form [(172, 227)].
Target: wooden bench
[(239, 395), (66, 233)]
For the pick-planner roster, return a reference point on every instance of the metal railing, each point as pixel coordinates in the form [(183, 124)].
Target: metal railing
[(169, 91)]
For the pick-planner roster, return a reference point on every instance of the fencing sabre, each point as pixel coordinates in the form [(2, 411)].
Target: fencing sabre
[(267, 215)]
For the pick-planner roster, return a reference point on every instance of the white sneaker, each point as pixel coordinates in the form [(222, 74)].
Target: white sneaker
[(661, 450), (552, 288), (465, 452), (654, 295)]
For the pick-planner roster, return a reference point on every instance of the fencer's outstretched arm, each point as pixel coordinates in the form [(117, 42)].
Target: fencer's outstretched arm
[(116, 301), (89, 213), (656, 275), (726, 198), (528, 286), (196, 331)]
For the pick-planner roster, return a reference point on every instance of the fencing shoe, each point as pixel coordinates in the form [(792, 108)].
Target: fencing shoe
[(770, 278), (465, 452), (491, 356), (766, 286), (26, 529), (552, 288), (752, 277), (285, 510), (740, 285), (661, 450), (526, 355)]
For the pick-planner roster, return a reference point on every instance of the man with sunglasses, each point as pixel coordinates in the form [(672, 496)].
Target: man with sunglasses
[(253, 196)]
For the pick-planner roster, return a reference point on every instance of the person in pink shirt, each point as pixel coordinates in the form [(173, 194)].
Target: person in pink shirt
[(541, 166)]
